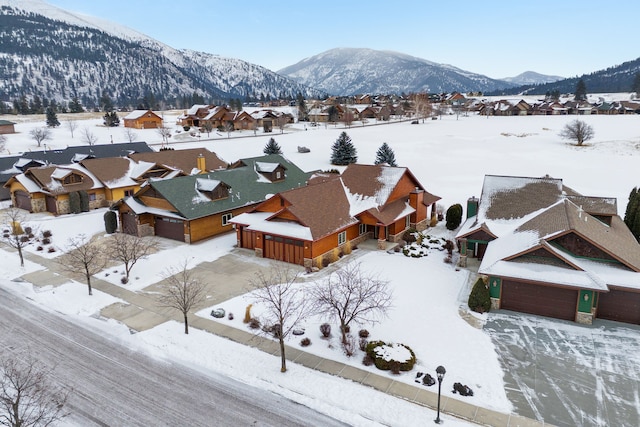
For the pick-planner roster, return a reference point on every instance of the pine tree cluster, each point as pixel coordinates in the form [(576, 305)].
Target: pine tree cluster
[(632, 214), (272, 147), (343, 151), (385, 155)]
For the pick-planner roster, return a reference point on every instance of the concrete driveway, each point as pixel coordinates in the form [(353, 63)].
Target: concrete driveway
[(567, 374)]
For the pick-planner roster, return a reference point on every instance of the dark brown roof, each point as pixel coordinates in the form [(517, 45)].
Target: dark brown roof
[(517, 201), (108, 169), (323, 208), (184, 160), (44, 176)]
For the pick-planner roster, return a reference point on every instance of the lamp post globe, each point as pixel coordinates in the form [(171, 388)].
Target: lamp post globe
[(440, 371)]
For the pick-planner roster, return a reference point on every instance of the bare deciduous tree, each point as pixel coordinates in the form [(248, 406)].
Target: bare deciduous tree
[(130, 249), (15, 234), (165, 133), (422, 106), (88, 137), (577, 131), (72, 125), (84, 255), (40, 135), (181, 291), (352, 295), (208, 127), (27, 396), (3, 142), (130, 135), (284, 302)]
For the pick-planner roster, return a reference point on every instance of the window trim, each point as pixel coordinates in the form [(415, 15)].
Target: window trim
[(226, 218), (342, 237)]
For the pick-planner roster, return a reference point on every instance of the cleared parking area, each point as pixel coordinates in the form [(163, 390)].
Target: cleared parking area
[(567, 374)]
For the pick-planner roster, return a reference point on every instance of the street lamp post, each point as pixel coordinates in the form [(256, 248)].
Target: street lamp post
[(440, 371)]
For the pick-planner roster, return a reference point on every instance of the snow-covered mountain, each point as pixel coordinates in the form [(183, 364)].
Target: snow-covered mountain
[(55, 54), (531, 78), (348, 71)]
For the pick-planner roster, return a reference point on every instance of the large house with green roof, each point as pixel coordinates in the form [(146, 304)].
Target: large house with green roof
[(193, 208)]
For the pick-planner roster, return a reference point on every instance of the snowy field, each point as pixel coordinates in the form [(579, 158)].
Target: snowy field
[(450, 157)]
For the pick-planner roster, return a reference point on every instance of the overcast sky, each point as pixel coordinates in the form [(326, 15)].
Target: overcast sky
[(494, 37)]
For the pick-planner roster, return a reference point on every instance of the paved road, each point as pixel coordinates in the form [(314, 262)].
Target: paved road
[(568, 374), (115, 386)]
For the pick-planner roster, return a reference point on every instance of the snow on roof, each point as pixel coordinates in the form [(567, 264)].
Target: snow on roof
[(60, 173), (204, 184), (266, 167), (389, 178), (256, 221), (194, 108), (135, 114), (138, 208)]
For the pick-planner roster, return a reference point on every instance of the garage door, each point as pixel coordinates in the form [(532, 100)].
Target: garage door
[(541, 300), (52, 206), (618, 305), (170, 228), (23, 201), (282, 249)]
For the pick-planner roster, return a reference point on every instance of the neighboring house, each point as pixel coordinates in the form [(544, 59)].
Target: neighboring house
[(550, 251), (47, 188), (307, 225), (123, 176), (7, 127), (142, 119), (13, 165), (193, 208), (191, 160)]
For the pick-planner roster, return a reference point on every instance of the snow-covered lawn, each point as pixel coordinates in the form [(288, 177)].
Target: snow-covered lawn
[(450, 157)]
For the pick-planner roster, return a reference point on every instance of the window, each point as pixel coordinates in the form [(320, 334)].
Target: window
[(278, 175), (342, 237), (407, 222), (362, 228), (226, 218), (92, 197), (128, 193)]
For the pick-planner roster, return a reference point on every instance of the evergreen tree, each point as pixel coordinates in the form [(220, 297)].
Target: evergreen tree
[(632, 213), (480, 298), (272, 147), (343, 151), (105, 102), (303, 112), (52, 117), (111, 119), (454, 216), (75, 106), (581, 91), (385, 155), (635, 87)]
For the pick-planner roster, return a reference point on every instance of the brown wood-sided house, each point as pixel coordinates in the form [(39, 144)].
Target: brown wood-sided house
[(550, 251), (7, 127), (196, 207), (142, 119), (191, 160), (307, 225)]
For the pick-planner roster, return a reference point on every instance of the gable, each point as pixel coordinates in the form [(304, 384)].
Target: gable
[(581, 247)]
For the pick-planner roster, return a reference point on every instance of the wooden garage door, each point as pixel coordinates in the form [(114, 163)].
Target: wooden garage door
[(248, 239), (542, 300), (52, 206), (282, 249), (23, 201), (170, 228), (618, 305)]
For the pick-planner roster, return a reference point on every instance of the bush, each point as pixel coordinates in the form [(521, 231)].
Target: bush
[(110, 222), (124, 280), (25, 239), (74, 202), (84, 201), (51, 249), (47, 233), (385, 365), (325, 330), (448, 246), (28, 230), (305, 342), (367, 360), (186, 128), (363, 333), (254, 323), (247, 314), (409, 236), (480, 298), (39, 248), (230, 316), (362, 344), (45, 241), (454, 216)]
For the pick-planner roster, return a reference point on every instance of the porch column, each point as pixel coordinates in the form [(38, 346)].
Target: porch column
[(382, 237), (463, 253)]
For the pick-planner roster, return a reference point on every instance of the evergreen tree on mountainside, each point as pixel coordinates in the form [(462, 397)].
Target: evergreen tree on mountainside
[(111, 119), (272, 147), (52, 117), (635, 86), (106, 104), (75, 106), (385, 155), (343, 151), (632, 213), (581, 91)]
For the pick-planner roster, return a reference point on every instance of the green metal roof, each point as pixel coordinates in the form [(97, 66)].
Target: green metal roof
[(6, 122), (247, 187)]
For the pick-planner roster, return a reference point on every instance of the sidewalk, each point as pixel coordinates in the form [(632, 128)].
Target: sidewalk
[(141, 312)]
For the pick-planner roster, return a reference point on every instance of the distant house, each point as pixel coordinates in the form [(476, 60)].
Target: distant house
[(7, 127), (142, 119), (193, 208), (307, 225), (550, 251), (191, 160)]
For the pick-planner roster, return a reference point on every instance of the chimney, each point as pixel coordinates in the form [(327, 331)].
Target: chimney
[(472, 207), (201, 163)]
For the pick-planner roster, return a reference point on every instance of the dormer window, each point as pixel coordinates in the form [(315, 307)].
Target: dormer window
[(72, 179), (213, 189), (272, 171)]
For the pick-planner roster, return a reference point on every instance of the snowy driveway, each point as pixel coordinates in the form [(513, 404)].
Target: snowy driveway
[(568, 374)]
